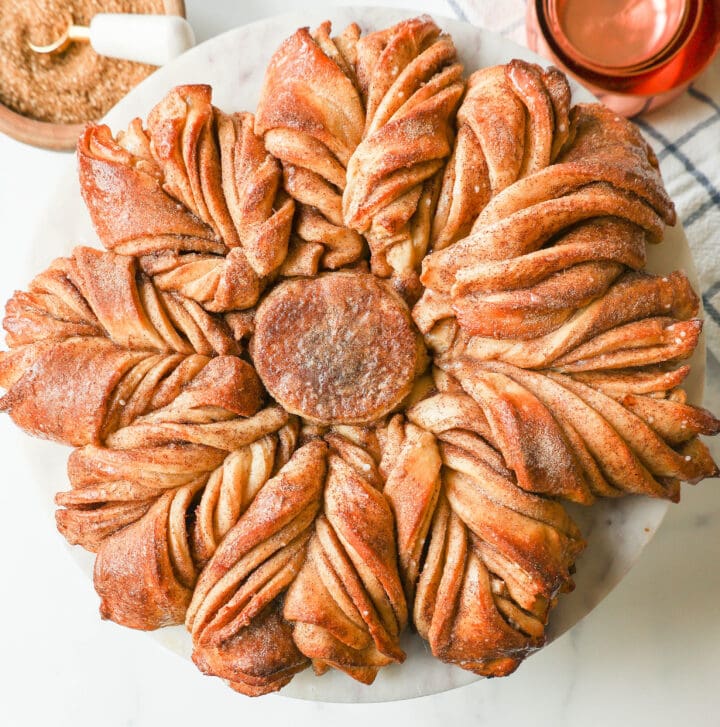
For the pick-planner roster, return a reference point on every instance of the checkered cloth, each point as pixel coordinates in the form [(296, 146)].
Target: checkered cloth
[(686, 138)]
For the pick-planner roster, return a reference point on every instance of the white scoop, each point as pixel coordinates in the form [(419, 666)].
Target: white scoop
[(153, 39)]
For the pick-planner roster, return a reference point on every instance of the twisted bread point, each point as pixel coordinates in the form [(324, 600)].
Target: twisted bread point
[(482, 561), (199, 182), (627, 443), (555, 240), (411, 82), (158, 498), (601, 147), (531, 295), (311, 118), (530, 228), (411, 466), (251, 179), (182, 135), (96, 293), (512, 122), (217, 283), (344, 605), (234, 617), (95, 312), (509, 420), (347, 603), (261, 214), (501, 282), (108, 482), (641, 320)]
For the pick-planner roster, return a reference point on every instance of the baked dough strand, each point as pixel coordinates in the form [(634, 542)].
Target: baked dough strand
[(311, 118), (196, 194), (411, 83), (310, 582), (482, 560)]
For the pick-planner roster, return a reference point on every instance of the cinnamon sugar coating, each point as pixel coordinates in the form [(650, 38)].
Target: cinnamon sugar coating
[(496, 555), (311, 118)]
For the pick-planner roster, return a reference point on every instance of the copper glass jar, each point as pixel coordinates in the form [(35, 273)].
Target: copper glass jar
[(635, 55)]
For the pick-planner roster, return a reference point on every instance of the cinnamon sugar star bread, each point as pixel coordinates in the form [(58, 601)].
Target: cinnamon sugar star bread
[(342, 361)]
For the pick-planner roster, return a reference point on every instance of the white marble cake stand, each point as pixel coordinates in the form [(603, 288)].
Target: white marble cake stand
[(234, 64)]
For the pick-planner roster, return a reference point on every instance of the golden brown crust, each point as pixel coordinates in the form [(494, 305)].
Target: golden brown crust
[(615, 443), (260, 555), (482, 561), (513, 121), (196, 193), (550, 284), (311, 118), (602, 147), (182, 140), (337, 349), (412, 83)]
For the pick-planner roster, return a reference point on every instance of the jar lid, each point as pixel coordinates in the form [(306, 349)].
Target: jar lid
[(621, 37)]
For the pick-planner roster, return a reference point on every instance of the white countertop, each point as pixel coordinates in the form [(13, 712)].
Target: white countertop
[(648, 655)]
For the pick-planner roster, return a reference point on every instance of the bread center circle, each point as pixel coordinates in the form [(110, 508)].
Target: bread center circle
[(339, 348)]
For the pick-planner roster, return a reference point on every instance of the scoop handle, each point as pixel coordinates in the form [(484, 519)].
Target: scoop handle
[(153, 39)]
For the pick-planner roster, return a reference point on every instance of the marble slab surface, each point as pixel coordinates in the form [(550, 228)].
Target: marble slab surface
[(617, 536)]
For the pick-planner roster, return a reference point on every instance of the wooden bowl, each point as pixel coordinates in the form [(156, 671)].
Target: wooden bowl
[(48, 135)]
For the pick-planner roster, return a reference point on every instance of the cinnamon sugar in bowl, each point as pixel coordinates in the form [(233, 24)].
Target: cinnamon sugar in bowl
[(46, 99)]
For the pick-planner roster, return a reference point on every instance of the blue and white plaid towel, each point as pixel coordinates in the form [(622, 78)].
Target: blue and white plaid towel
[(686, 138)]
